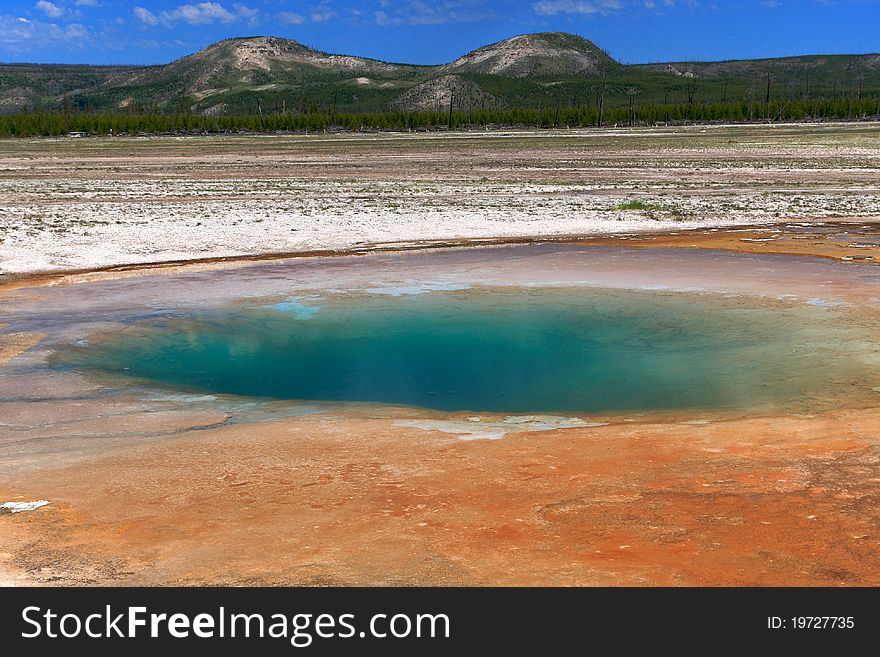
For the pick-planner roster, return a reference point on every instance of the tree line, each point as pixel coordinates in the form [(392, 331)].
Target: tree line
[(59, 123)]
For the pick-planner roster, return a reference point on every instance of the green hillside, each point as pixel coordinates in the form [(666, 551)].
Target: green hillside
[(268, 76)]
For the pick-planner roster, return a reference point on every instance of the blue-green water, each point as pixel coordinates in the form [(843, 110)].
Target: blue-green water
[(549, 350)]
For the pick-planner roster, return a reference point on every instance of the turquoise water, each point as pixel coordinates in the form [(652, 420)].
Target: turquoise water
[(548, 350)]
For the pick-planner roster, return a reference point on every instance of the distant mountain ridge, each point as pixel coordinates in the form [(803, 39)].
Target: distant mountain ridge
[(271, 74)]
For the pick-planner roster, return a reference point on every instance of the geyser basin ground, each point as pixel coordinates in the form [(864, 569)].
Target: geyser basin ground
[(513, 350), (767, 478)]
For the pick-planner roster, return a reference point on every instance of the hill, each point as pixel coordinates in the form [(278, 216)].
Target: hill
[(269, 75), (544, 55)]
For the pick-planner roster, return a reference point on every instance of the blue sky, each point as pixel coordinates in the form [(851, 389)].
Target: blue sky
[(427, 32)]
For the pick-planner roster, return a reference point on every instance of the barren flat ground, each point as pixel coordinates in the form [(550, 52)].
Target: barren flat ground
[(153, 486), (86, 203)]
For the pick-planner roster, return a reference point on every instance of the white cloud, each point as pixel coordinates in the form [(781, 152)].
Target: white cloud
[(689, 4), (202, 13), (320, 13), (199, 14), (252, 16), (322, 16), (590, 7), (50, 9), (75, 31), (18, 34), (145, 16), (575, 7), (422, 12), (292, 18), (323, 12)]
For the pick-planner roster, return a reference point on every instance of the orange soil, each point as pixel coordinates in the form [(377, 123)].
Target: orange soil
[(337, 500), (347, 499)]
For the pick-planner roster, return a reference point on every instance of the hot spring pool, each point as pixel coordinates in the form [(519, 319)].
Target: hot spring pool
[(522, 350)]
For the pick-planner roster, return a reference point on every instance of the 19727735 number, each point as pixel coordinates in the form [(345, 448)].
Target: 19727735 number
[(811, 623)]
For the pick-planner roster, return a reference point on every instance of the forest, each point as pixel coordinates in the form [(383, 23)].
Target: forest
[(57, 123)]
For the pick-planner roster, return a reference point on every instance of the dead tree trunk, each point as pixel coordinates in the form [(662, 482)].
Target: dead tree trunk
[(752, 102), (66, 113), (451, 101), (859, 106)]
